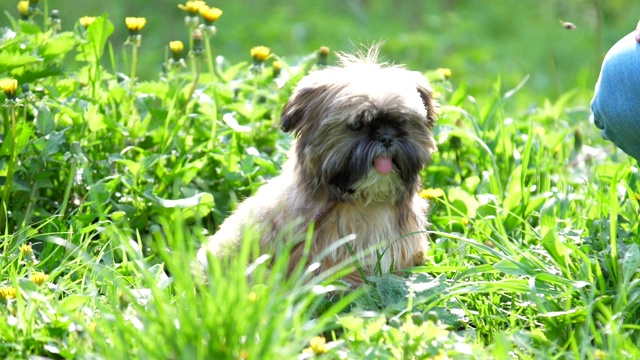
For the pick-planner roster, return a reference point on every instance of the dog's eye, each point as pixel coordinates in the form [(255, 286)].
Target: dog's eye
[(356, 125)]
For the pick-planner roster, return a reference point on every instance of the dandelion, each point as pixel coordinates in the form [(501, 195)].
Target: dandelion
[(177, 48), (277, 68), (26, 250), (318, 345), (253, 297), (192, 7), (196, 38), (23, 9), (9, 87), (444, 72), (323, 55), (7, 293), (600, 355), (39, 278), (210, 14), (430, 194), (260, 54), (135, 24), (86, 21), (54, 20)]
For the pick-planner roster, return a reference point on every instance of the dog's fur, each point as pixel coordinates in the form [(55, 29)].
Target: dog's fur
[(343, 118)]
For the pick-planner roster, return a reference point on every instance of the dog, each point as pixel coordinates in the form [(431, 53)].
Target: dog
[(363, 131)]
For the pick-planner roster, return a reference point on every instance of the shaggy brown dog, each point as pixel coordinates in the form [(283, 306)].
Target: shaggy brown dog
[(363, 133)]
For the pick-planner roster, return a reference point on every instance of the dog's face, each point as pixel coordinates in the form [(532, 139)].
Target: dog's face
[(364, 131)]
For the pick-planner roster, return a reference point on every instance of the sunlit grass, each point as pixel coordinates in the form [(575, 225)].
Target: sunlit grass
[(535, 233)]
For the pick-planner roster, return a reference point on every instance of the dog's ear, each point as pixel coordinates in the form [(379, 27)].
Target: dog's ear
[(298, 106), (427, 99)]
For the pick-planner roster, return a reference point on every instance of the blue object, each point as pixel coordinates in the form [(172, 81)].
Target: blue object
[(616, 103)]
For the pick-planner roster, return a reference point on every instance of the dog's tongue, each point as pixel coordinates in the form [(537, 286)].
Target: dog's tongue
[(383, 165)]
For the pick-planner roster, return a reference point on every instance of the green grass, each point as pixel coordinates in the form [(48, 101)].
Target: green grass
[(535, 237)]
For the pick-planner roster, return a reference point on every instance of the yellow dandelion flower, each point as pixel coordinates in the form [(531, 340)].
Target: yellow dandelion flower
[(260, 53), (25, 249), (600, 355), (192, 7), (318, 345), (23, 8), (7, 293), (252, 296), (85, 21), (135, 24), (9, 87), (431, 193), (210, 14), (39, 278), (277, 68), (177, 48), (444, 72)]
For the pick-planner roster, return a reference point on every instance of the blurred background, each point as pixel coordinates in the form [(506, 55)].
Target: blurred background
[(478, 40)]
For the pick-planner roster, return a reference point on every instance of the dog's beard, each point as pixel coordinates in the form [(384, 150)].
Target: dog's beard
[(377, 187), (351, 173)]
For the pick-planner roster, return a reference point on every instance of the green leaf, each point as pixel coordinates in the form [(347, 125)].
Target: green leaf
[(10, 61), (30, 28), (510, 267), (392, 289), (196, 206), (59, 45), (132, 166), (23, 133), (233, 71), (50, 144), (463, 201), (631, 262), (95, 118), (97, 36), (44, 120), (514, 190), (73, 302), (157, 88), (554, 247), (424, 286), (368, 300)]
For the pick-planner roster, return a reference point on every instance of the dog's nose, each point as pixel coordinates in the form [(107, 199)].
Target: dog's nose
[(386, 140)]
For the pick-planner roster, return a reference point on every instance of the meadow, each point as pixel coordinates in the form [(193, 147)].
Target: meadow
[(123, 146)]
